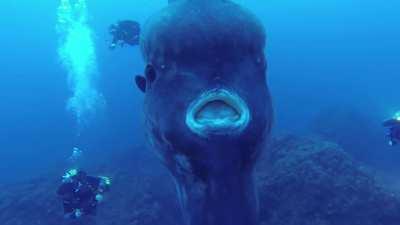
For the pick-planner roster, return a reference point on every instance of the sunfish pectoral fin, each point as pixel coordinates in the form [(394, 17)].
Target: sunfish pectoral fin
[(141, 83)]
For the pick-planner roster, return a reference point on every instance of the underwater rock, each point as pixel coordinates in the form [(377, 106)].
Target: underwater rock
[(353, 130), (207, 106), (301, 182), (306, 181)]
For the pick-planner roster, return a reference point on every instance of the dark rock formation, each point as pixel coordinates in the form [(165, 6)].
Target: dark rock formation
[(316, 183), (301, 182), (356, 132)]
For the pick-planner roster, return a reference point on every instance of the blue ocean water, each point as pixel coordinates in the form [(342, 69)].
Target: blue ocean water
[(336, 55)]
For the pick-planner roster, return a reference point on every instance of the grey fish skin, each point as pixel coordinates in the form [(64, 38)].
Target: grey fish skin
[(208, 110)]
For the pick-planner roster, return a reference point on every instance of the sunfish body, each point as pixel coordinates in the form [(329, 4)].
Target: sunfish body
[(207, 106)]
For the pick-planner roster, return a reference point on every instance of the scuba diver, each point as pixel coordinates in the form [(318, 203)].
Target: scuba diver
[(80, 193), (124, 32), (394, 129)]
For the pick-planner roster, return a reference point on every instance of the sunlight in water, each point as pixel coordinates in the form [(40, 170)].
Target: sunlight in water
[(78, 55)]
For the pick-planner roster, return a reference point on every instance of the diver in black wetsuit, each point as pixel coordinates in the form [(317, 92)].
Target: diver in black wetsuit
[(394, 131), (81, 193), (124, 32)]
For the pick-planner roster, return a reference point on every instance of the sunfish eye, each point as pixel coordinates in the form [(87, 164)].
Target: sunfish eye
[(150, 73)]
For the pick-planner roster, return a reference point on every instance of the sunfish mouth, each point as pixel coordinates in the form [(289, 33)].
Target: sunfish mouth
[(219, 112)]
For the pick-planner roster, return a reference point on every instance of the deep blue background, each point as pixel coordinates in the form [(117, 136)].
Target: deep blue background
[(333, 53)]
